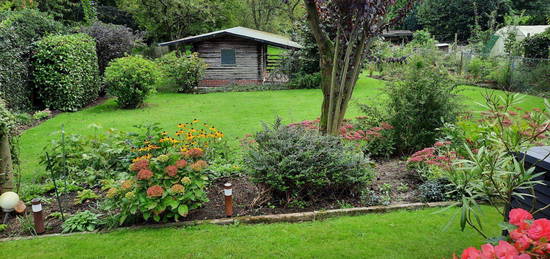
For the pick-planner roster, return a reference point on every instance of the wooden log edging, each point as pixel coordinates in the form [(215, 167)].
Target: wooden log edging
[(264, 219)]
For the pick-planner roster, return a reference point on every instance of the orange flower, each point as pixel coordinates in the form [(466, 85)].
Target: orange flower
[(145, 174), (127, 184), (181, 164), (194, 153), (199, 165), (112, 192), (177, 188), (171, 170), (140, 165), (155, 191)]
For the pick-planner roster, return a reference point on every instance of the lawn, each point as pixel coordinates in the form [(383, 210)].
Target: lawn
[(235, 113), (402, 234)]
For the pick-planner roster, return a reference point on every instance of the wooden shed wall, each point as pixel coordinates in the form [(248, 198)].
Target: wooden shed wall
[(247, 55)]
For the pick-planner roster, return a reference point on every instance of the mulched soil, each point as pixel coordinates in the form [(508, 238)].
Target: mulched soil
[(249, 199)]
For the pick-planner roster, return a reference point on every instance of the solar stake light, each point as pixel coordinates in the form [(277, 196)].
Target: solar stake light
[(228, 192), (8, 201), (38, 216)]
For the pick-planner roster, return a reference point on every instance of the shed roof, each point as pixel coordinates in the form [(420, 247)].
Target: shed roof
[(524, 30), (397, 33), (242, 32)]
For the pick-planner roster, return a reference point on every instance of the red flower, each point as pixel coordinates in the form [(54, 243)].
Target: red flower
[(439, 144), (539, 229), (181, 164), (194, 153), (471, 253), (171, 170), (519, 216), (505, 250), (506, 123), (140, 165), (487, 251), (155, 191), (386, 126), (144, 174)]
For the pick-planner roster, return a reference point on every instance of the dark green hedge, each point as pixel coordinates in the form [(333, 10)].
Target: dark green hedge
[(66, 72), (18, 31), (538, 46)]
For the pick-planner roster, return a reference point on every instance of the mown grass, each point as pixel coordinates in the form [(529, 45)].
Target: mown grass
[(235, 113), (401, 234)]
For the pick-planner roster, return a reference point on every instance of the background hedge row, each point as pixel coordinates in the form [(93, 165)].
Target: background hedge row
[(66, 72)]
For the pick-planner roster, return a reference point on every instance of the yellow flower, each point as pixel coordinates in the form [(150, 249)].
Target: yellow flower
[(186, 180), (163, 158), (112, 192), (127, 184)]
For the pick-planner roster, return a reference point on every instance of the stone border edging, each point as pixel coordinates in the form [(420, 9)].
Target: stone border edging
[(274, 218)]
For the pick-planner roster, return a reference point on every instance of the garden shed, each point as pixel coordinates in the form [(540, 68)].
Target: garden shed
[(238, 55), (496, 44)]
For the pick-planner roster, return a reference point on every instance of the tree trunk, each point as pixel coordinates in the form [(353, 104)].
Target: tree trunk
[(6, 166)]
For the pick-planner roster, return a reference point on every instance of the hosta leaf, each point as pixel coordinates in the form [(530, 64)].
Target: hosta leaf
[(183, 210)]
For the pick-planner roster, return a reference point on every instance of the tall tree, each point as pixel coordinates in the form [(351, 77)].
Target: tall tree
[(263, 12), (344, 30), (171, 19), (6, 164), (444, 18)]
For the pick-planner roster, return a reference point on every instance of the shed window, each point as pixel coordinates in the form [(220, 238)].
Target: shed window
[(228, 57)]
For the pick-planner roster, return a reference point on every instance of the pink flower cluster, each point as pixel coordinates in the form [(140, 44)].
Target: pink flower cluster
[(528, 240), (347, 130), (434, 156)]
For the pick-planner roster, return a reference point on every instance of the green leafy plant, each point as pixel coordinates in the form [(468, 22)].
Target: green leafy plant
[(41, 115), (89, 159), (26, 225), (112, 41), (305, 81), (3, 227), (168, 176), (65, 71), (18, 31), (131, 80), (180, 72), (489, 171), (85, 195), (82, 221), (419, 105), (296, 163), (55, 215)]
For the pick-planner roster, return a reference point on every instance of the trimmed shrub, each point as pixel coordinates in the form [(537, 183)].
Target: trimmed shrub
[(131, 80), (300, 164), (66, 74), (18, 30), (306, 81), (31, 25), (419, 105), (182, 73), (112, 41)]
